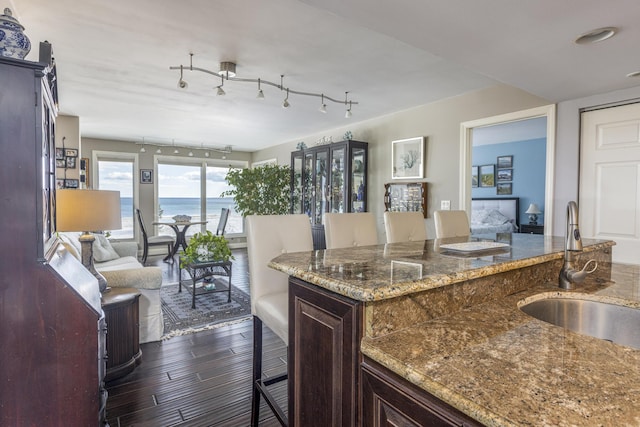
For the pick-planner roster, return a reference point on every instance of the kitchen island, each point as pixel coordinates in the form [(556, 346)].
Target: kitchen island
[(373, 328)]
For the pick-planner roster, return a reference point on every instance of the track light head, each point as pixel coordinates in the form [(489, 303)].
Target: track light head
[(286, 104), (221, 91), (142, 150), (181, 83), (323, 106)]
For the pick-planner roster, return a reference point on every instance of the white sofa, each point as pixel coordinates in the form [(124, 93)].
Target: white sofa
[(119, 265)]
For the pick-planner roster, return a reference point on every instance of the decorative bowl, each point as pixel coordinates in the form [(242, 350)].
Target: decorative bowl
[(182, 218)]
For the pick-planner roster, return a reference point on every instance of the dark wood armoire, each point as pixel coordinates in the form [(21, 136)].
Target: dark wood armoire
[(52, 330)]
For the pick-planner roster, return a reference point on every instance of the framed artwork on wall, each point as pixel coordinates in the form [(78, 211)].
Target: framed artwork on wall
[(504, 189), (146, 176), (71, 183), (71, 162), (505, 175), (474, 176), (487, 175), (407, 158), (505, 162)]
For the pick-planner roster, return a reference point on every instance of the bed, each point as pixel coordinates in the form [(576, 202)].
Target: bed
[(495, 215)]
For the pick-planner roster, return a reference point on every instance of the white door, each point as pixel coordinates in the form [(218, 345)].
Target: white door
[(610, 179)]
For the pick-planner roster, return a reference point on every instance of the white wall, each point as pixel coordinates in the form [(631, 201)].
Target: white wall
[(439, 122)]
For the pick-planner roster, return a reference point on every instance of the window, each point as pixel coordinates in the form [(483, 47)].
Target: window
[(184, 185), (117, 174)]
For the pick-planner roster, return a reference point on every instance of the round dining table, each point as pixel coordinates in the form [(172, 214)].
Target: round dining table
[(180, 228)]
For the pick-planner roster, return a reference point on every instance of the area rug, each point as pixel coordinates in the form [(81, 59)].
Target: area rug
[(211, 309)]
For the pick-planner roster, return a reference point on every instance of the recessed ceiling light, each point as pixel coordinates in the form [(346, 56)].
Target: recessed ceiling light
[(598, 35), (634, 74)]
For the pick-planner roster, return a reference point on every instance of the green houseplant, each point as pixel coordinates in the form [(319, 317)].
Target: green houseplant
[(206, 247), (260, 191)]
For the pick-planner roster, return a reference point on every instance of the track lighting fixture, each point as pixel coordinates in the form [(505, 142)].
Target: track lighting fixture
[(221, 91), (260, 92), (286, 104), (188, 147), (347, 114), (227, 70), (181, 83)]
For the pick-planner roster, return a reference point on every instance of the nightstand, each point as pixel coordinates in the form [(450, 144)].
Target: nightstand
[(532, 229)]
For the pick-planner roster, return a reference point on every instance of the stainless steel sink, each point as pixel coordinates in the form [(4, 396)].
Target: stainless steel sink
[(610, 322)]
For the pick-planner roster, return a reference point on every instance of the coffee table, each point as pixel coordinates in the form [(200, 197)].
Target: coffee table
[(199, 272)]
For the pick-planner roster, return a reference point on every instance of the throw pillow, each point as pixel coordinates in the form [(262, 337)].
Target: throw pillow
[(102, 249), (496, 218)]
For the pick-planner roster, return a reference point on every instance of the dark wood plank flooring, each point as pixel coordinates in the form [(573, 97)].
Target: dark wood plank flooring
[(202, 379)]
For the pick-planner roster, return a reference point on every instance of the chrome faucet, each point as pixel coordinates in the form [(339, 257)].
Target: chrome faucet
[(569, 276)]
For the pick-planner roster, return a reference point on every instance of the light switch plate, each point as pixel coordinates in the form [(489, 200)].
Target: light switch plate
[(445, 205)]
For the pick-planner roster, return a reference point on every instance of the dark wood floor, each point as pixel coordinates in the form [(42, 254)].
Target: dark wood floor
[(202, 379)]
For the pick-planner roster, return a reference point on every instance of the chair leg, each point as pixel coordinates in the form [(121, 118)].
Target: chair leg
[(257, 370), (145, 251)]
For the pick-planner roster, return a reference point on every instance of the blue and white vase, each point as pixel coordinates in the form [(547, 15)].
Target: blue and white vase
[(13, 42)]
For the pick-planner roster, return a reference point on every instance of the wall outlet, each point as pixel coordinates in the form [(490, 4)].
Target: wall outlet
[(445, 205)]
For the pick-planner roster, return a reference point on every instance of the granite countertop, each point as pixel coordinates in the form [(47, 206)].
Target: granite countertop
[(505, 368), (374, 273)]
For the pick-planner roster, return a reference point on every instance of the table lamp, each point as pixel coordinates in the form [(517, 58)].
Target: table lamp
[(87, 211), (533, 212)]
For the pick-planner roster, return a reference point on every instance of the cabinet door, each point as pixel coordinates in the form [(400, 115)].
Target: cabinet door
[(324, 357), (358, 180), (296, 182), (388, 400), (307, 188), (338, 185), (321, 185)]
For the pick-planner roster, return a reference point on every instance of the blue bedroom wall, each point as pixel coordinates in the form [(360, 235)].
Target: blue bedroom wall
[(529, 168)]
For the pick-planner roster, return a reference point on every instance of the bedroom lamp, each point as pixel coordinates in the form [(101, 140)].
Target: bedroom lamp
[(87, 211), (533, 212)]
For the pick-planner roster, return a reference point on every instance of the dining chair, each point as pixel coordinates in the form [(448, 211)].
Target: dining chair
[(267, 237), (404, 226), (160, 240), (222, 222), (344, 230), (451, 224)]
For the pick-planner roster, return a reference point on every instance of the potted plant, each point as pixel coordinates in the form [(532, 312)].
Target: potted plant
[(206, 247), (263, 190)]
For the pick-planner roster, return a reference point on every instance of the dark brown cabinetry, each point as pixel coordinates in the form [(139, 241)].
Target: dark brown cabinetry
[(329, 178), (324, 357), (388, 400), (52, 327), (120, 306)]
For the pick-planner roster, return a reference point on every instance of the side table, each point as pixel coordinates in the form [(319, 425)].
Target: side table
[(120, 306), (532, 229), (201, 270)]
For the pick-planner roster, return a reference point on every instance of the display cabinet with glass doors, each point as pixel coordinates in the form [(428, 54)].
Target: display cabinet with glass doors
[(329, 178)]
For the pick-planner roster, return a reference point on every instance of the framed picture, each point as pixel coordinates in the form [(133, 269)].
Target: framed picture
[(407, 158), (61, 163), (487, 176), (59, 153), (505, 175), (504, 189), (71, 152), (146, 176), (84, 172), (505, 162), (71, 183), (71, 162), (474, 176), (59, 183)]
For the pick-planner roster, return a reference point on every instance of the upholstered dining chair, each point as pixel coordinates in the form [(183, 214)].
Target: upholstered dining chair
[(267, 237), (404, 226), (451, 224), (160, 240), (344, 230)]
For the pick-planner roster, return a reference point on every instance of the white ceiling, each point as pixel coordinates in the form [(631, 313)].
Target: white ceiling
[(113, 59)]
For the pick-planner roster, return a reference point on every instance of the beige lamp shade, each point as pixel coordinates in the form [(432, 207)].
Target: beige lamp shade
[(87, 210)]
